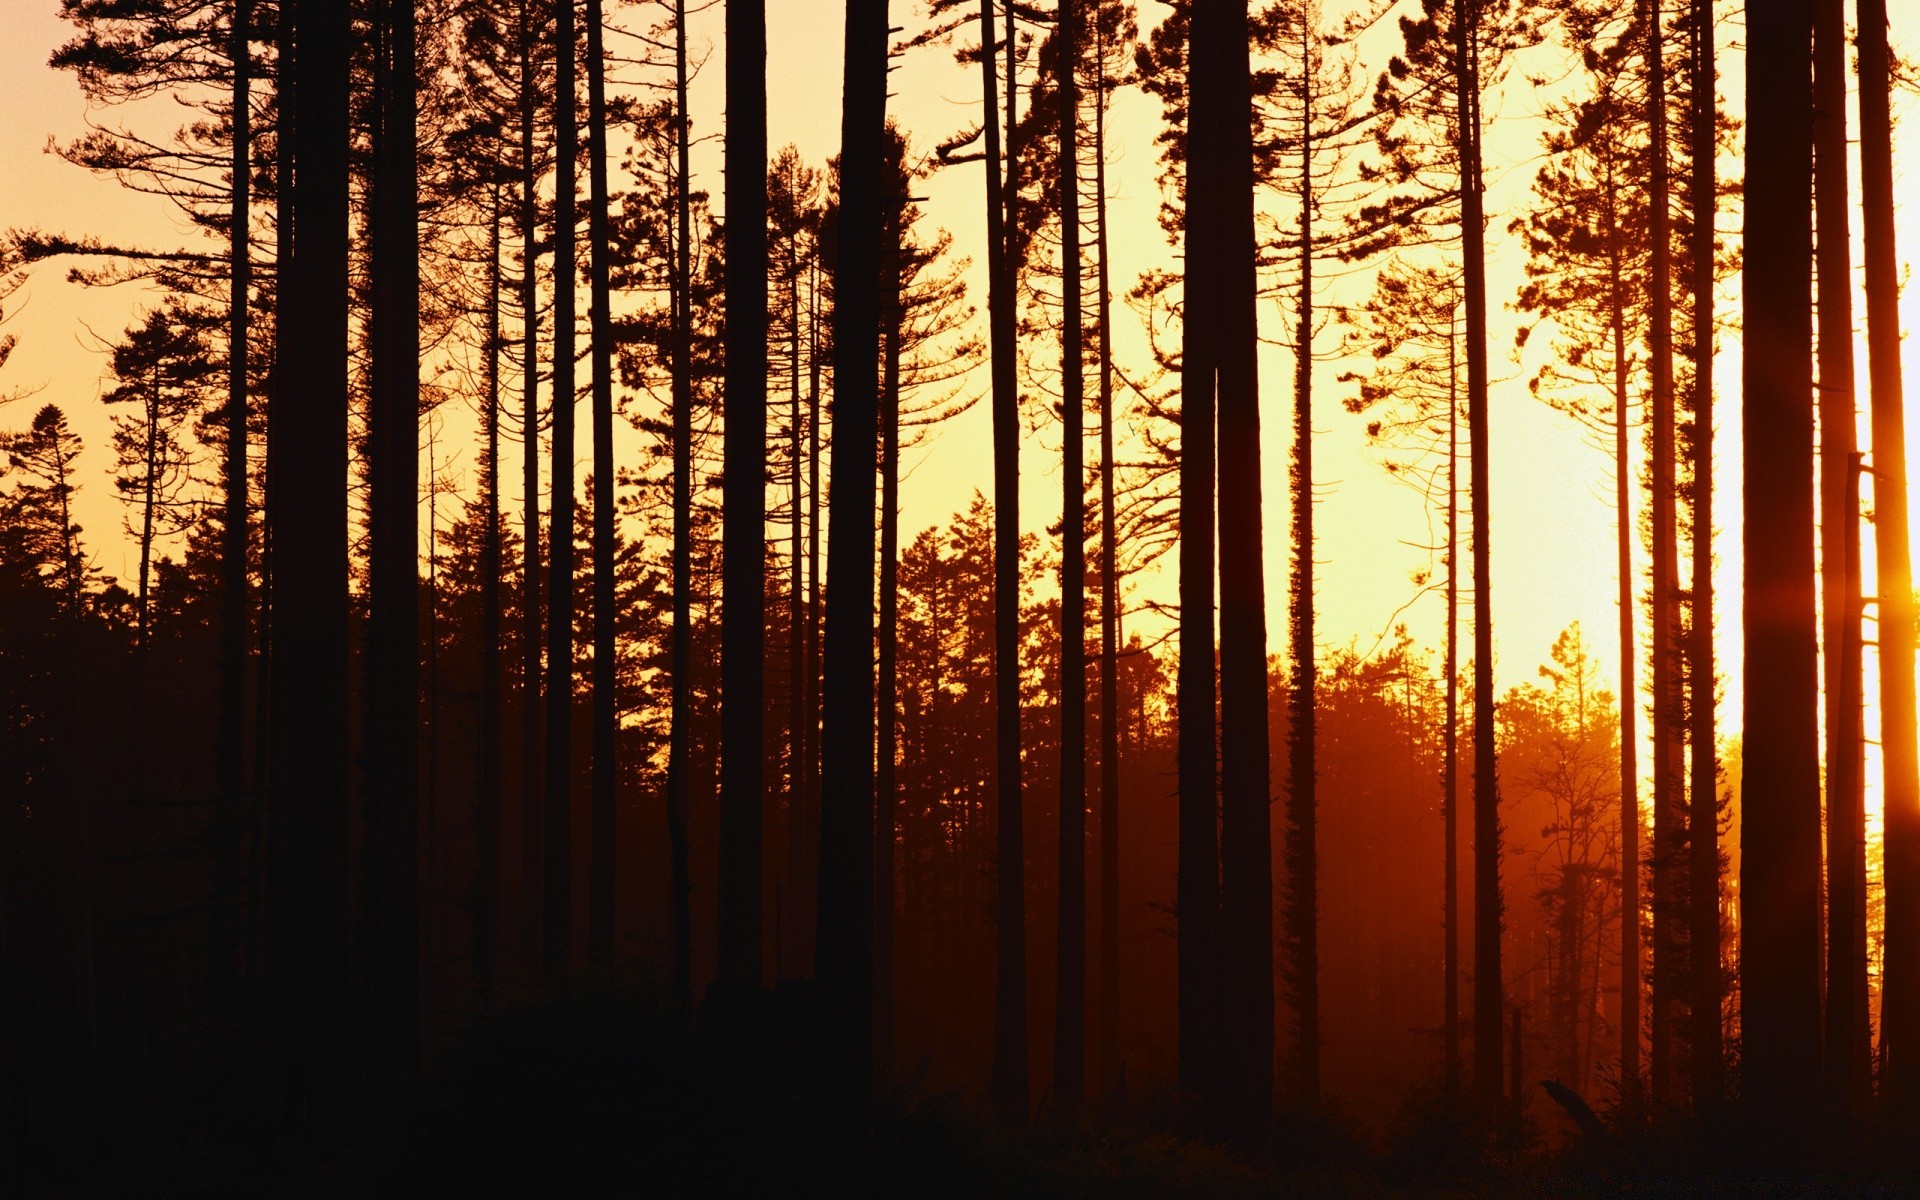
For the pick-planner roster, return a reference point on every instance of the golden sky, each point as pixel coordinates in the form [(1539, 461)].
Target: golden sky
[(1552, 493)]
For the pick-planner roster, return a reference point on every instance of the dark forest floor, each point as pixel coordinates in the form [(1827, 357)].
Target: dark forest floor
[(610, 1092)]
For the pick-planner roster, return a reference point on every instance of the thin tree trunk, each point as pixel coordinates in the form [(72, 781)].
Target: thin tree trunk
[(886, 786), (530, 609), (606, 704), (556, 908), (1111, 1078), (1450, 762), (487, 815), (844, 962), (1848, 1052), (680, 738), (1900, 996), (1070, 1007), (1669, 816), (1703, 886), (1010, 958), (744, 497), (1630, 956), (1488, 991), (797, 617), (1303, 889), (223, 940), (1780, 783)]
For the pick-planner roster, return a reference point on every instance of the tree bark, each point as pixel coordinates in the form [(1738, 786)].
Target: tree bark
[(486, 909), (556, 907), (1669, 814), (1488, 992), (680, 738), (1111, 1078), (606, 705), (744, 497), (308, 962), (1197, 893), (530, 609), (1703, 886), (844, 943), (1848, 1033), (223, 935), (1303, 888), (393, 608), (1010, 943), (1780, 783), (1900, 998), (1070, 1007)]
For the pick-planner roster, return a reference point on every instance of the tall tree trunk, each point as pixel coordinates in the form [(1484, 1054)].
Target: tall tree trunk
[(393, 608), (1900, 996), (486, 909), (1899, 1007), (744, 497), (886, 785), (1070, 1007), (1488, 991), (1848, 1034), (1303, 888), (556, 908), (1010, 943), (680, 737), (1669, 815), (797, 620), (809, 878), (1246, 840), (1630, 955), (1780, 780), (1450, 751), (530, 609), (1703, 837), (606, 704), (223, 934), (1197, 893), (844, 956), (1111, 1079), (308, 948)]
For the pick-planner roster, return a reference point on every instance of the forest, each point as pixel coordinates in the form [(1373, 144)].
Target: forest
[(524, 732)]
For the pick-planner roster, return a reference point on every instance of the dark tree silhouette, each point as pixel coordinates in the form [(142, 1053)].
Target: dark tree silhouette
[(1010, 960), (556, 907), (527, 85), (1703, 822), (1669, 811), (1246, 860), (1780, 783), (1202, 1038), (1848, 1030), (307, 912), (1070, 1005), (680, 661), (1900, 759), (606, 716), (744, 481), (393, 631), (223, 950), (844, 953)]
